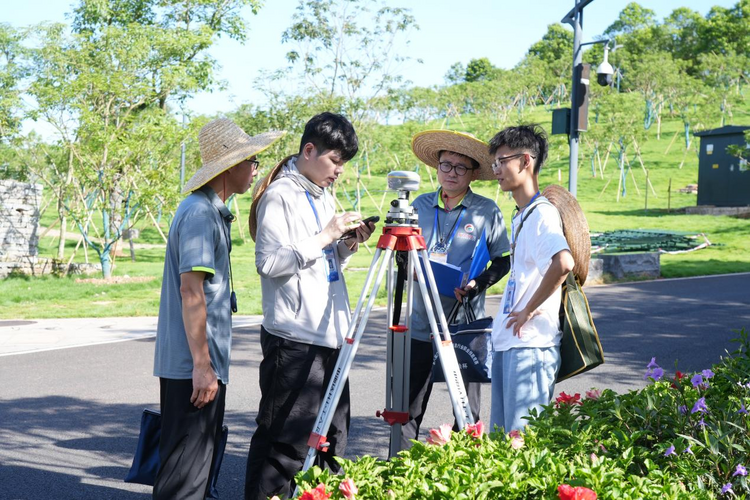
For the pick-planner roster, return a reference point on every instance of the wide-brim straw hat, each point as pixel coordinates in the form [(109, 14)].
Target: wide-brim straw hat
[(223, 145), (575, 227), (427, 146)]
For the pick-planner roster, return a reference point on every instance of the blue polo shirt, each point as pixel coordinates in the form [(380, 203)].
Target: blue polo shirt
[(469, 218), (199, 240)]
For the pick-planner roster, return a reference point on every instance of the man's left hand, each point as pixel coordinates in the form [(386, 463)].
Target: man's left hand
[(469, 290)]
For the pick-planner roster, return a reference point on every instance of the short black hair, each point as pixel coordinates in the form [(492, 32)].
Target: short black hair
[(531, 138), (330, 131)]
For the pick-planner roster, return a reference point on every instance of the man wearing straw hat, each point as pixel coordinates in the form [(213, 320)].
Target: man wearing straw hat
[(300, 255), (194, 332), (526, 331), (454, 222)]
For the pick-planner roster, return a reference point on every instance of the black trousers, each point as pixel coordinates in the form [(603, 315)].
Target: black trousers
[(188, 437), (420, 388), (293, 381)]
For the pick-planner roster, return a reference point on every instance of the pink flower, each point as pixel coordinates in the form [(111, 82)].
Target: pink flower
[(317, 493), (593, 394), (568, 492), (516, 439), (440, 436), (475, 430), (348, 488)]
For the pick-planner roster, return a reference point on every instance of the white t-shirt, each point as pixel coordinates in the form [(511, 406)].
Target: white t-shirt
[(540, 239)]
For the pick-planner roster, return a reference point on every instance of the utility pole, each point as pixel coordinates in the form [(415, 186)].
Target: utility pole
[(575, 19)]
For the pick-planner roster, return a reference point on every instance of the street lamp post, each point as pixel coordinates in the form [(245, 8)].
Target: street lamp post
[(575, 19)]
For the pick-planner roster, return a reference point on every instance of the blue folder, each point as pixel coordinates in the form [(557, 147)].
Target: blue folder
[(480, 257)]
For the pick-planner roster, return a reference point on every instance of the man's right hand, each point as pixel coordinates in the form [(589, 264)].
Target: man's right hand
[(337, 226), (205, 386)]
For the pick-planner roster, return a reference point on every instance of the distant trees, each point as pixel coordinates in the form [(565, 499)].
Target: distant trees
[(106, 89)]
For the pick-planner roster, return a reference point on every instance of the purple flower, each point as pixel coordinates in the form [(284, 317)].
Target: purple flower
[(740, 471), (682, 409), (700, 406), (654, 371), (742, 410), (707, 374), (670, 451), (726, 488), (688, 450), (697, 380), (701, 423)]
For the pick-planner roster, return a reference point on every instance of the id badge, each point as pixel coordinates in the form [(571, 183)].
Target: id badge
[(509, 295), (329, 257), (439, 253)]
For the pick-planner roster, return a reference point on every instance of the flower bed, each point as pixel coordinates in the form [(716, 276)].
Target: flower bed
[(683, 436)]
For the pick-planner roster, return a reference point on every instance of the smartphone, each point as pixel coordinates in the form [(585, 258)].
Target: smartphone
[(352, 233)]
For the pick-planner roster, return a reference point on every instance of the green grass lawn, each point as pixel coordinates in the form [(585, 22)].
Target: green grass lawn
[(51, 297)]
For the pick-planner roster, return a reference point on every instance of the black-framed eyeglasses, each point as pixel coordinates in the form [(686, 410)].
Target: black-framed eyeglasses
[(500, 162), (446, 167), (254, 163)]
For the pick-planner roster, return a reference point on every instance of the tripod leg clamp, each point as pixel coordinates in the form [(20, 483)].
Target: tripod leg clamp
[(393, 417), (318, 442)]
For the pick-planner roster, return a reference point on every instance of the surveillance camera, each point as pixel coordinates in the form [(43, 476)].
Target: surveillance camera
[(605, 72)]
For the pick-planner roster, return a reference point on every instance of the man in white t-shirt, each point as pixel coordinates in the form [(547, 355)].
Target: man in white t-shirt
[(526, 332)]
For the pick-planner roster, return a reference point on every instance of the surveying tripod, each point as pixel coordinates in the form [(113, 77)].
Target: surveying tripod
[(400, 233)]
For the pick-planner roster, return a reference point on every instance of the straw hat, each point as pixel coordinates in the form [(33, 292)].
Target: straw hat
[(223, 145), (427, 146), (575, 227)]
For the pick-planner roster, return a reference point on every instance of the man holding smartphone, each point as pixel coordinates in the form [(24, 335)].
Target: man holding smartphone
[(300, 255)]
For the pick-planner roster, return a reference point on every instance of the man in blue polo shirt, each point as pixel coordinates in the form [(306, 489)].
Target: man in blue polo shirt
[(194, 332), (453, 220)]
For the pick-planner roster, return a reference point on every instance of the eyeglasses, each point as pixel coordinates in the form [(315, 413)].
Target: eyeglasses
[(254, 163), (501, 162), (446, 167)]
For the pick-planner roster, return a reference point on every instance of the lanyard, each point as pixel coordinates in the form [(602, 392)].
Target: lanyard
[(454, 229), (514, 234), (315, 211)]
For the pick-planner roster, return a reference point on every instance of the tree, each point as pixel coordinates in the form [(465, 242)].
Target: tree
[(348, 48), (657, 76), (480, 69), (631, 19), (555, 45), (12, 71), (456, 74), (106, 89)]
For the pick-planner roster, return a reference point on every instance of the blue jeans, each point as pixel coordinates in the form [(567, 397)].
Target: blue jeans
[(522, 378)]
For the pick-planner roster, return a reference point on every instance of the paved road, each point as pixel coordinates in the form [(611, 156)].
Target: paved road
[(69, 417)]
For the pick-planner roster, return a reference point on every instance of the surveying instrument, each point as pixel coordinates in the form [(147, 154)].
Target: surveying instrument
[(401, 233)]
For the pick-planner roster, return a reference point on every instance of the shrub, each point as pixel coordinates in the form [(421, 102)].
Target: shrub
[(681, 437)]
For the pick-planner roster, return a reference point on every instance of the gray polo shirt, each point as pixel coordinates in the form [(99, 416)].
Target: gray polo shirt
[(479, 214), (199, 240)]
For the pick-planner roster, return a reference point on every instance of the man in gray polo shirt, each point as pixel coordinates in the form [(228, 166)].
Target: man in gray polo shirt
[(194, 331), (453, 220)]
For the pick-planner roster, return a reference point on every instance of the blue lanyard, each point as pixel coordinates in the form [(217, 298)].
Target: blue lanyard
[(436, 227), (315, 211)]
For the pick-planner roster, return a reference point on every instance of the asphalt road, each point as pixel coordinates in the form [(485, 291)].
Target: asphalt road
[(69, 418)]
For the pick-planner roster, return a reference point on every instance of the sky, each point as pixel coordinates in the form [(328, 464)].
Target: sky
[(450, 31)]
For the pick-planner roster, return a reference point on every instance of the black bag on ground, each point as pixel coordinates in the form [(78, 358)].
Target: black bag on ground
[(146, 459), (472, 342), (580, 349)]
